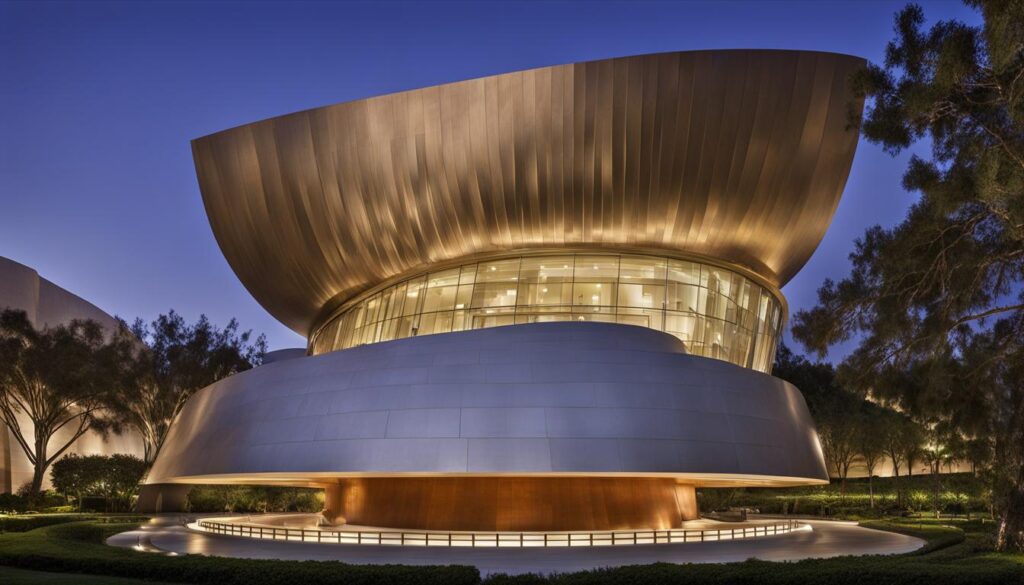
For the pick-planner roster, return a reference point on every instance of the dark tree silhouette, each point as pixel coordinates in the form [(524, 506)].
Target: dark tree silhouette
[(58, 379), (935, 303), (168, 361)]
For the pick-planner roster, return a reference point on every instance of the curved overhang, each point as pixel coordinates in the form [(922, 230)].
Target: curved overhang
[(321, 479), (528, 401), (737, 155)]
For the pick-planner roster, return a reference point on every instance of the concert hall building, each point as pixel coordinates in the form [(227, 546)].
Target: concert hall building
[(542, 300)]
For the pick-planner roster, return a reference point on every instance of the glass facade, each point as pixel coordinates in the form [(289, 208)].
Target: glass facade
[(716, 312)]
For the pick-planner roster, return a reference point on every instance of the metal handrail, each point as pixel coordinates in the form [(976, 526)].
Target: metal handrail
[(497, 539)]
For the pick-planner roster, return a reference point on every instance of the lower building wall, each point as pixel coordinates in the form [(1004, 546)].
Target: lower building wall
[(556, 399), (512, 503), (544, 426), (163, 498)]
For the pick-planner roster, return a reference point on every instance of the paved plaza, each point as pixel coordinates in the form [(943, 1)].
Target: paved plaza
[(827, 539)]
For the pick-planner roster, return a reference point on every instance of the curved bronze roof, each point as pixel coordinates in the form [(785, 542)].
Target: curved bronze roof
[(739, 155)]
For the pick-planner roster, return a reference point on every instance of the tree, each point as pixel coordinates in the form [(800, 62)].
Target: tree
[(113, 477), (121, 479), (834, 410), (935, 453), (816, 380), (77, 475), (912, 441), (978, 451), (893, 449), (174, 361), (902, 439), (925, 297), (58, 379), (871, 442), (838, 430)]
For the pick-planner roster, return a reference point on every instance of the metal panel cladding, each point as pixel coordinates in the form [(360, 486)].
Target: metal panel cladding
[(739, 155)]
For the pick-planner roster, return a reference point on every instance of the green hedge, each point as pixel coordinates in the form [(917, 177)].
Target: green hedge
[(24, 523), (254, 499), (937, 536), (959, 493)]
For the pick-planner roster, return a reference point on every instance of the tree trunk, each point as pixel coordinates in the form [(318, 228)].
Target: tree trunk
[(38, 473), (39, 465), (871, 490), (1011, 526), (898, 485)]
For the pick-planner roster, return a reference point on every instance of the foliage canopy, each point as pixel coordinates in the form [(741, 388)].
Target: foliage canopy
[(936, 303)]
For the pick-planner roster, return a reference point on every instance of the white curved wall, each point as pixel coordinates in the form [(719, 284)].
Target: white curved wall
[(551, 398)]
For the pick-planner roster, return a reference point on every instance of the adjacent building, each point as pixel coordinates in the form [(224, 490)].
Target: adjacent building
[(48, 305), (543, 300)]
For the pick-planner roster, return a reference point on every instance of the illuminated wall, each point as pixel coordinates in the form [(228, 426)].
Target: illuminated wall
[(47, 305)]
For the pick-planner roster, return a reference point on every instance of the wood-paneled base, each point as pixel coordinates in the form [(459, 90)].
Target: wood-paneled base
[(511, 503)]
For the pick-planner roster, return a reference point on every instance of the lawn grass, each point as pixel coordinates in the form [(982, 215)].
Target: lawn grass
[(78, 547), (958, 552), (11, 576)]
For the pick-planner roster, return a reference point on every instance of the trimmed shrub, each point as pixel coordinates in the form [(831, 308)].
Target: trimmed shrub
[(254, 499), (33, 521)]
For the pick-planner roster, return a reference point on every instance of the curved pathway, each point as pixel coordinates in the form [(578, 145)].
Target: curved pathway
[(827, 539)]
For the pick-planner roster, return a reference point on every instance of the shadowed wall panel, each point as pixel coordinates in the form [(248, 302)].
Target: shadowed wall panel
[(738, 155)]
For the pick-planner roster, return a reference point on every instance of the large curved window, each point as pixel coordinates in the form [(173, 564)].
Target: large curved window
[(716, 312)]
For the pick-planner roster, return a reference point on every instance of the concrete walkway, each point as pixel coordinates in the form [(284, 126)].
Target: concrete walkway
[(827, 539)]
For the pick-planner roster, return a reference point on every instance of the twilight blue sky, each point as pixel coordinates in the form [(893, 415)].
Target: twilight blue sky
[(98, 102)]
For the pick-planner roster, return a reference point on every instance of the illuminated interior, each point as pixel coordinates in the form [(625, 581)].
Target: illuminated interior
[(716, 312)]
